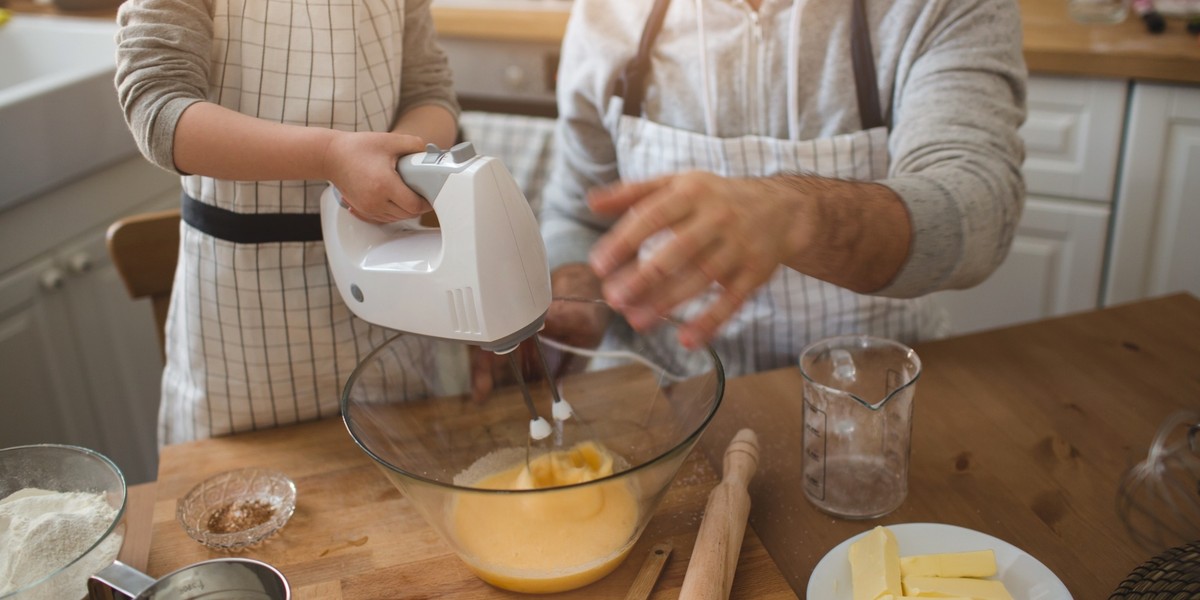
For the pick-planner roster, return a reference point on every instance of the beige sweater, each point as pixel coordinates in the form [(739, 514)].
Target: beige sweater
[(362, 53), (951, 77)]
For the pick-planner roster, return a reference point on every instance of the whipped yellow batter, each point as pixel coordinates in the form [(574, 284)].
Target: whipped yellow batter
[(554, 540)]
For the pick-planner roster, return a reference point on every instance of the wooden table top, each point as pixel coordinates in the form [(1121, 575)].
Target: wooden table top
[(1021, 433), (354, 536)]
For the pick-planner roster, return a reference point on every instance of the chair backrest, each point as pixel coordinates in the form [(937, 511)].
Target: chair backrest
[(144, 249)]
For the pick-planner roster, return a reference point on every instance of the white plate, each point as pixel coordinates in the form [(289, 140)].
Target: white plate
[(1023, 575)]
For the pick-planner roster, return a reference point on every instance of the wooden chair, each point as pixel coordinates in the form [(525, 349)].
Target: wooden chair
[(144, 248)]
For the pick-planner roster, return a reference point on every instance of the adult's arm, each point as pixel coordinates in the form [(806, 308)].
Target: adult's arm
[(958, 104), (942, 219)]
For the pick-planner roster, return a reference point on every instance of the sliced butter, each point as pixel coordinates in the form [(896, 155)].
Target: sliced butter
[(941, 587), (875, 565), (980, 563)]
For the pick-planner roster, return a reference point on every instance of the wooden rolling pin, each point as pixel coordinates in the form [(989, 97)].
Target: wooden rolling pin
[(714, 559)]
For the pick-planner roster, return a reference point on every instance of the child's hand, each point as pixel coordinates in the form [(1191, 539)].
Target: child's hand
[(362, 165)]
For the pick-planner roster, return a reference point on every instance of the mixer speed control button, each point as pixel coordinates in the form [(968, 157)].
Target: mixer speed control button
[(463, 152)]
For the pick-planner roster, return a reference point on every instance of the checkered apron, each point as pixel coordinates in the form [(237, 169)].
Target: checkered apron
[(257, 335), (792, 309)]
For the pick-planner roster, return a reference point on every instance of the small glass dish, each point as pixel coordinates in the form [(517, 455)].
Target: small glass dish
[(236, 509)]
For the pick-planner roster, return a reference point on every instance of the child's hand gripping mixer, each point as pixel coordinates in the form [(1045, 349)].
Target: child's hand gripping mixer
[(482, 278)]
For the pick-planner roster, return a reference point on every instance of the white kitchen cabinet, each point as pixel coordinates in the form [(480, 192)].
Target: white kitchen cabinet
[(39, 363), (1155, 247), (1054, 267), (1072, 136), (79, 359), (1056, 264)]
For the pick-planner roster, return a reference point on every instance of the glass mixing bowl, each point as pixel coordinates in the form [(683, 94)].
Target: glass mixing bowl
[(40, 569), (450, 426)]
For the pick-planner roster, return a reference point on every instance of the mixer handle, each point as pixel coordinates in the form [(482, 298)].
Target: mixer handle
[(426, 172)]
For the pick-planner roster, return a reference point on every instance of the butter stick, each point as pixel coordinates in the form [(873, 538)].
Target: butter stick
[(980, 563), (941, 587), (875, 565)]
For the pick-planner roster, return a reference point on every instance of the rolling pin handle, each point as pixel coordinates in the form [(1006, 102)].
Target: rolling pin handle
[(741, 458), (714, 559)]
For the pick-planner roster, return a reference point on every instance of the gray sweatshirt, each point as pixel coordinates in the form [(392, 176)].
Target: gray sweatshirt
[(951, 77)]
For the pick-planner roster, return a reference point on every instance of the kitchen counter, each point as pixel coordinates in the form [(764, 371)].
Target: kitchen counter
[(1054, 44), (38, 8), (1022, 433)]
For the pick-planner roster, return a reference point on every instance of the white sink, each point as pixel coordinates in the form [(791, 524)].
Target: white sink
[(59, 117)]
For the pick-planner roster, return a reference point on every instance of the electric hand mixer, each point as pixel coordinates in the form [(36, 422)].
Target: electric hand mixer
[(481, 278)]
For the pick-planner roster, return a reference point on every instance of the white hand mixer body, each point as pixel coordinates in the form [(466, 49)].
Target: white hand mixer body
[(481, 278)]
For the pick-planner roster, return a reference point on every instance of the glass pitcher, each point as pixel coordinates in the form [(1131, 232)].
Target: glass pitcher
[(858, 393)]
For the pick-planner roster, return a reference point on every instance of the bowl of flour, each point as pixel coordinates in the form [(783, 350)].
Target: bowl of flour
[(61, 520)]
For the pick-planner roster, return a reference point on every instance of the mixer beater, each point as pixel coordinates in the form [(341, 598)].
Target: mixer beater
[(539, 428), (561, 411)]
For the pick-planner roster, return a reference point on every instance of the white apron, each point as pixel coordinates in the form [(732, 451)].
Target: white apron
[(257, 334), (792, 309)]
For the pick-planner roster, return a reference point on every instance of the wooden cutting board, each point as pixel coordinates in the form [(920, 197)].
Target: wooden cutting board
[(354, 536)]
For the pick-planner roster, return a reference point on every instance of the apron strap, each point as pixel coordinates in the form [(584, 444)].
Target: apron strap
[(631, 83), (250, 228), (869, 108)]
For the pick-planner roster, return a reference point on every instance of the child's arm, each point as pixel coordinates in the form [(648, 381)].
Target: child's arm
[(162, 83), (218, 142), (433, 123)]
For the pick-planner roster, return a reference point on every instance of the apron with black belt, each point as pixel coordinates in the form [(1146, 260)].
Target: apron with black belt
[(792, 309), (257, 335)]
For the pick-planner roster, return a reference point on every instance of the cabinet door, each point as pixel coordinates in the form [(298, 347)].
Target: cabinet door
[(1054, 267), (79, 360), (1155, 248), (118, 350), (44, 398), (1073, 136)]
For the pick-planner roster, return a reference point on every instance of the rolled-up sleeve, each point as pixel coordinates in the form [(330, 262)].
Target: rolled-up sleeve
[(955, 146), (162, 68)]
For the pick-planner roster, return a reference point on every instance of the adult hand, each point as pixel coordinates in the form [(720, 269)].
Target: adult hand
[(490, 370), (363, 167), (733, 232), (581, 324)]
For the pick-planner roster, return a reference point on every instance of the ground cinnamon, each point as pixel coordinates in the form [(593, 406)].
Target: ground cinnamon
[(240, 515)]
